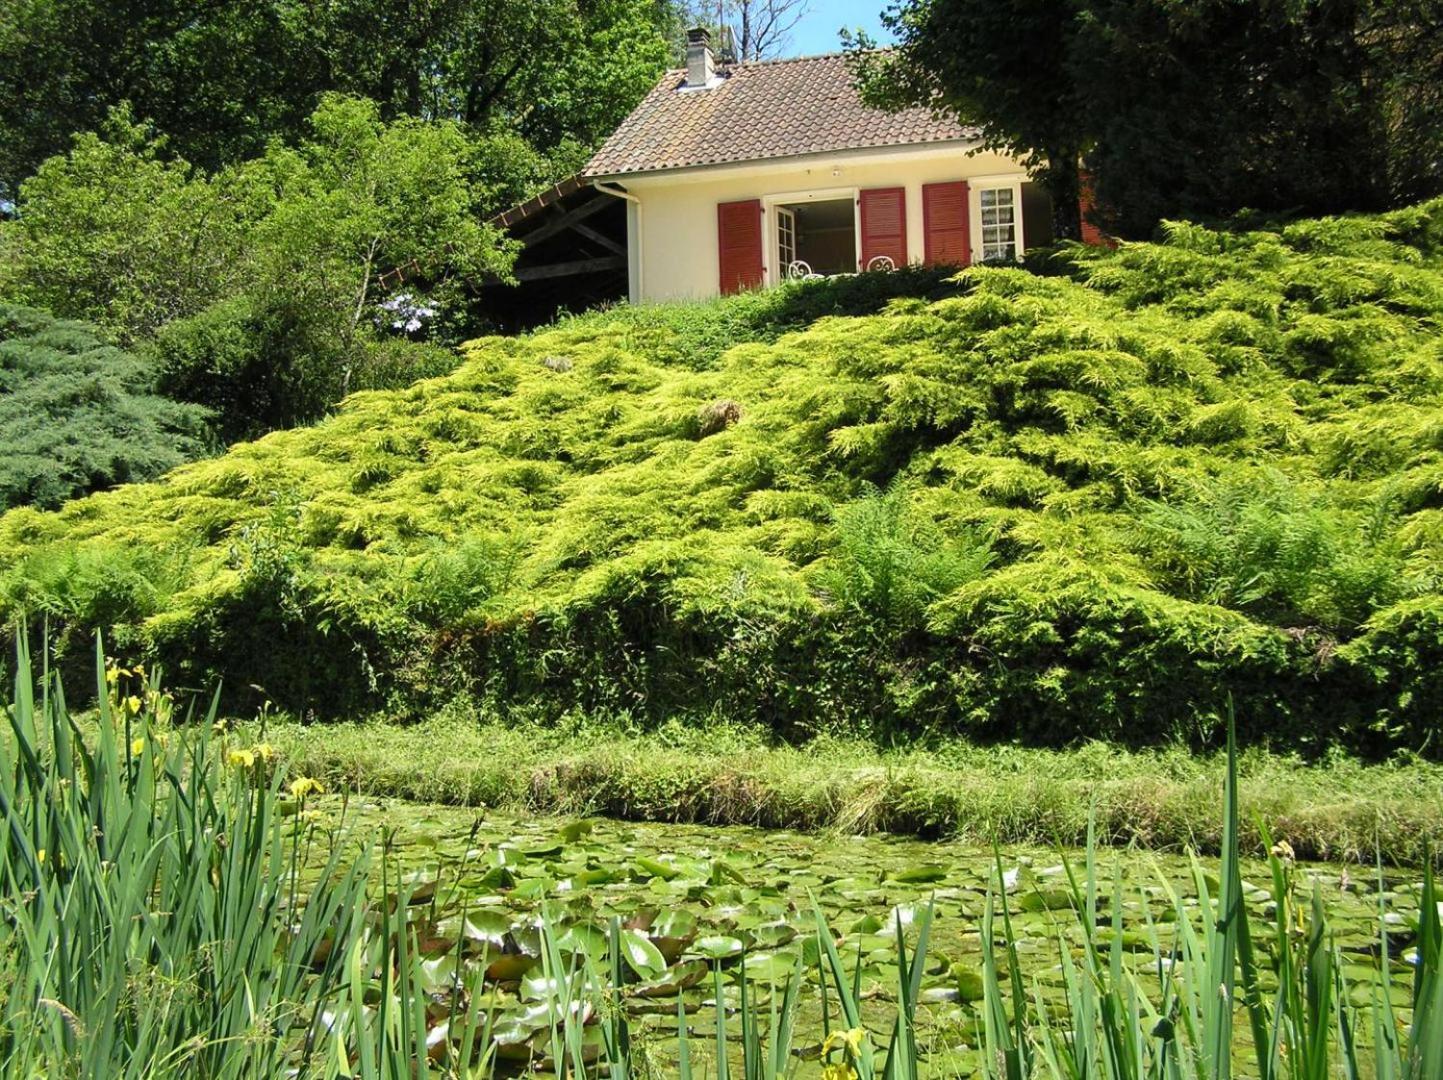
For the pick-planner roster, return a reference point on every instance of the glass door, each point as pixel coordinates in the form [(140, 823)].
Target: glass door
[(786, 241)]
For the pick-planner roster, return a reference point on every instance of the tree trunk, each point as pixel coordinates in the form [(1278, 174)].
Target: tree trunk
[(1063, 182)]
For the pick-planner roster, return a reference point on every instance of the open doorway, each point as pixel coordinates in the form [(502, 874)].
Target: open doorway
[(816, 237)]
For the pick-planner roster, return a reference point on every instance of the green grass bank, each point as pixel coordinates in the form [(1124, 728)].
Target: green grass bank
[(1161, 799), (1094, 503)]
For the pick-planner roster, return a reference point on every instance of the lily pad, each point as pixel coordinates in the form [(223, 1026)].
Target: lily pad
[(641, 955)]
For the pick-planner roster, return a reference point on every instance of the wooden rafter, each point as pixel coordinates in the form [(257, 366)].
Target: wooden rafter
[(567, 220), (568, 269)]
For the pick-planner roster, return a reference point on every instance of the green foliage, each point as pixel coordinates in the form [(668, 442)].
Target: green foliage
[(233, 926), (79, 415), (1274, 547), (889, 567), (257, 287), (1342, 113), (102, 836), (116, 234), (1112, 497), (222, 81)]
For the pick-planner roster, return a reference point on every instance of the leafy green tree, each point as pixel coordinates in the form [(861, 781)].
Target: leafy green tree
[(114, 233), (1186, 110), (218, 78), (1004, 68), (362, 197), (221, 79), (1200, 110), (78, 415), (257, 286)]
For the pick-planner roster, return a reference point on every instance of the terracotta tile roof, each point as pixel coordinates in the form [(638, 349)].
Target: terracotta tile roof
[(760, 110)]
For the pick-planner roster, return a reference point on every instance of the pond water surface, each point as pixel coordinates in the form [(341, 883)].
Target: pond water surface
[(693, 899)]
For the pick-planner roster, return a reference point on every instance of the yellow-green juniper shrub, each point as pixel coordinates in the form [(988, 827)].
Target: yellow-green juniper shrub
[(1044, 507)]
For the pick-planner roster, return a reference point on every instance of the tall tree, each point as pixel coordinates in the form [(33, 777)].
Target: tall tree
[(221, 78), (747, 29), (1185, 110), (1004, 68)]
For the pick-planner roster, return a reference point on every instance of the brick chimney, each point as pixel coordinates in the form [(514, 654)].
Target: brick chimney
[(700, 64)]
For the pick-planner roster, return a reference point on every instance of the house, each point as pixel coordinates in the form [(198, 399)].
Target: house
[(738, 177)]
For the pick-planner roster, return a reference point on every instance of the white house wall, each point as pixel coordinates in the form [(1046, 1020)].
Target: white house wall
[(675, 233)]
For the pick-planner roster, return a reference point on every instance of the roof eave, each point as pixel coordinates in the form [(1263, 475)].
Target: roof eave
[(741, 163)]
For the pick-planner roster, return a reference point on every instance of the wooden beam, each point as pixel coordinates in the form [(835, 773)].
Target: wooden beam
[(540, 202), (599, 238), (567, 269), (567, 220)]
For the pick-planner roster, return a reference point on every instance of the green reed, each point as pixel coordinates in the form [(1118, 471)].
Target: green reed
[(152, 926)]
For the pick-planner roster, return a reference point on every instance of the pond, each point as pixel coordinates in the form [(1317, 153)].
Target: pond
[(693, 900)]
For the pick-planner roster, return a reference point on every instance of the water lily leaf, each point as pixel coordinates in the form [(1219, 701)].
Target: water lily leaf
[(641, 955), (1045, 900), (657, 868), (867, 924), (537, 986), (676, 923), (770, 935), (678, 979), (772, 967), (498, 877), (575, 830), (441, 973), (483, 928), (920, 875), (531, 889), (583, 938), (417, 887), (511, 967), (717, 947)]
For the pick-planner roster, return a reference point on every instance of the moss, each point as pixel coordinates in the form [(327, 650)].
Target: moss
[(1198, 468)]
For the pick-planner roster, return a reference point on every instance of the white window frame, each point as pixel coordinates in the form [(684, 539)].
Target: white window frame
[(786, 219), (976, 186), (775, 275)]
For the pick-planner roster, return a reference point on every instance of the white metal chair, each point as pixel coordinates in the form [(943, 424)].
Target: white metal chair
[(882, 263), (800, 270)]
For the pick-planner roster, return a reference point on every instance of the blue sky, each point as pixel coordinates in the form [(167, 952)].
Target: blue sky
[(817, 32)]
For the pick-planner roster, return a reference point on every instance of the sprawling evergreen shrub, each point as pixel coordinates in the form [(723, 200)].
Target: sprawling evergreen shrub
[(1088, 504), (78, 415)]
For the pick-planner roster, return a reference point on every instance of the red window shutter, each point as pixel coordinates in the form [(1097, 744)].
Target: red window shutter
[(946, 224), (739, 244), (884, 225)]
